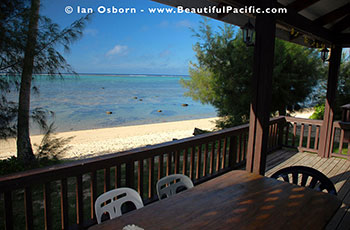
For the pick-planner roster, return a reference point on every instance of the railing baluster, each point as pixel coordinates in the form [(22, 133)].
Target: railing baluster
[(280, 128), (287, 135), (317, 137), (130, 174), (205, 157), (218, 155), (177, 162), (184, 162), (8, 210), (168, 164), (232, 155), (239, 151), (244, 154), (79, 200), (212, 158), (199, 161), (93, 197), (341, 141), (47, 206), (160, 166), (301, 137), (64, 204), (275, 143), (270, 139), (107, 179), (140, 178), (294, 133), (192, 163), (150, 177), (332, 140), (223, 162), (308, 137), (118, 176), (28, 207)]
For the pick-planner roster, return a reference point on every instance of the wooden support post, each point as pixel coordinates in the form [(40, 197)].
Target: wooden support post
[(327, 125), (265, 29)]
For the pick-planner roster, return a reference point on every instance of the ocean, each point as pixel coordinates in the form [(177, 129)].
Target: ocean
[(101, 101)]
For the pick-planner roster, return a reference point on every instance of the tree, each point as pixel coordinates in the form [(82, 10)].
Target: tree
[(343, 92), (221, 75), (34, 54), (24, 147)]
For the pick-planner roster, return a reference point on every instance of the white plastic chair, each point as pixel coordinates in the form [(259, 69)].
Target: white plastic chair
[(167, 186), (111, 202)]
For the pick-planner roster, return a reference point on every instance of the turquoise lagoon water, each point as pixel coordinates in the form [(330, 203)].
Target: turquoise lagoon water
[(82, 102)]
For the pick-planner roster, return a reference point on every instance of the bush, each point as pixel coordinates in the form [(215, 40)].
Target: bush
[(48, 154), (13, 164), (319, 112)]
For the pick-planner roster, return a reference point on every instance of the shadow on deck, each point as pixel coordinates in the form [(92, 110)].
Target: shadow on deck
[(338, 170)]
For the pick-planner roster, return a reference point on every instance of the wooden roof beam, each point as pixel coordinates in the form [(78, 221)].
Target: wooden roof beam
[(342, 24), (300, 5), (333, 15), (343, 39), (293, 19)]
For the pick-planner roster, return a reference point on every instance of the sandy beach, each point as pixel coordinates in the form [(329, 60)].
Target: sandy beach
[(89, 143), (94, 142)]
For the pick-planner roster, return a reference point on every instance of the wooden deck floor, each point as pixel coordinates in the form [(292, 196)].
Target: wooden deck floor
[(338, 170)]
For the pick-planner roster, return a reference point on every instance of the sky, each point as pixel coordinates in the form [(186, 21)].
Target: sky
[(138, 43)]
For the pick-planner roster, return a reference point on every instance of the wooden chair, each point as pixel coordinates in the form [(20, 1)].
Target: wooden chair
[(111, 202), (310, 177), (172, 184)]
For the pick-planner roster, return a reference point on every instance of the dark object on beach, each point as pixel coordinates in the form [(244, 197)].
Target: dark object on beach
[(135, 97), (108, 112), (175, 139), (140, 99), (159, 111), (198, 131), (184, 105)]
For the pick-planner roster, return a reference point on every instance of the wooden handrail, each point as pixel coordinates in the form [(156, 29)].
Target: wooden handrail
[(57, 172), (201, 157), (304, 120)]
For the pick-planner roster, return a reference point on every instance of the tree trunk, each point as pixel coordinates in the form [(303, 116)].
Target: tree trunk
[(24, 147), (282, 111)]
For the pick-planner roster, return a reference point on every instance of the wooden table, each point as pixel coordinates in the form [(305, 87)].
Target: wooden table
[(236, 200)]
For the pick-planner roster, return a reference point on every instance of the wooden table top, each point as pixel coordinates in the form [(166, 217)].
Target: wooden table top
[(235, 200)]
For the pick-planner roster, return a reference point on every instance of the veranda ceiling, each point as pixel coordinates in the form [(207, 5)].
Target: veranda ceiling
[(312, 23)]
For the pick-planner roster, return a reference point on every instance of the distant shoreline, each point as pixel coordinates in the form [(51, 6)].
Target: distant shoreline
[(114, 74)]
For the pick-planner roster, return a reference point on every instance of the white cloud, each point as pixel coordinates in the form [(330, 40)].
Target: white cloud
[(165, 53), (91, 32), (118, 50), (183, 23), (164, 24)]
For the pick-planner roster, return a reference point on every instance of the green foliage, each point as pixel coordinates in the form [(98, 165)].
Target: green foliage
[(222, 74), (319, 112), (14, 18), (343, 92), (49, 153), (51, 147)]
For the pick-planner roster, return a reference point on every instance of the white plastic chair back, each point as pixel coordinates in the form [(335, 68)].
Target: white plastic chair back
[(113, 205), (168, 185)]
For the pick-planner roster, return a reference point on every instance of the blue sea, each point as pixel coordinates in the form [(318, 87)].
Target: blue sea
[(82, 102)]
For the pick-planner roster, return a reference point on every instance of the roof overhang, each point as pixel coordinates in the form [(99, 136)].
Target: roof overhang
[(311, 23)]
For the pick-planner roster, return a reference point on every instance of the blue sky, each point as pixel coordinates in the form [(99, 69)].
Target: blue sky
[(128, 43)]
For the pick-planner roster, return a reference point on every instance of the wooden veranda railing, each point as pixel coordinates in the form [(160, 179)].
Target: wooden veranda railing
[(63, 196), (304, 134)]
